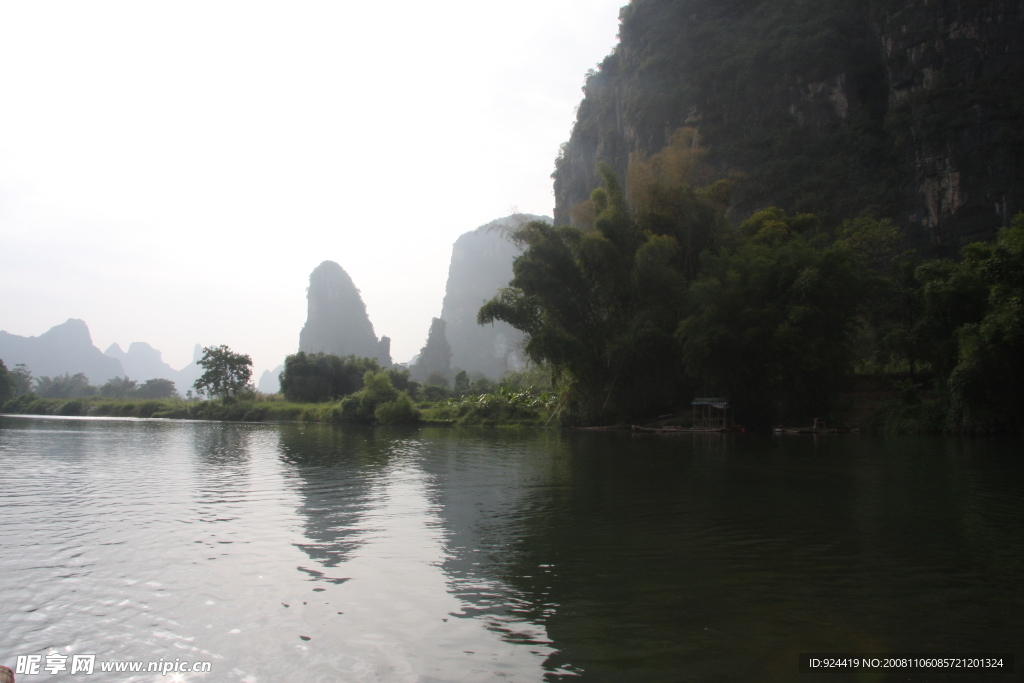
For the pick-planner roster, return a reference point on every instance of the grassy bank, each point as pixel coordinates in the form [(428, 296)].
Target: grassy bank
[(242, 411), (503, 408)]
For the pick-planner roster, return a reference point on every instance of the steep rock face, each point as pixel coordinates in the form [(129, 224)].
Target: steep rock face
[(481, 265), (191, 372), (336, 321), (65, 348), (905, 108), (956, 96), (435, 358)]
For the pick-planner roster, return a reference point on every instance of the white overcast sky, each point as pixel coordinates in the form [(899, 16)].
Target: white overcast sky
[(171, 172)]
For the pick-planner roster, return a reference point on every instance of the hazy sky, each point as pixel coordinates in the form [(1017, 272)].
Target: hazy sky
[(171, 172)]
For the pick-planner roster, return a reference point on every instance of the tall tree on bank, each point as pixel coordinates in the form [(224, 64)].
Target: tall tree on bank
[(987, 384), (6, 383), (600, 304), (226, 373)]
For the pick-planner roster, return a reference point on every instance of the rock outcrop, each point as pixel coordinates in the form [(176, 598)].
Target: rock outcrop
[(63, 349), (900, 108), (434, 361), (191, 372), (481, 265), (270, 382), (336, 321)]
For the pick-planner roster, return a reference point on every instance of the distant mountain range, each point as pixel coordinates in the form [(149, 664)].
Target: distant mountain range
[(68, 349)]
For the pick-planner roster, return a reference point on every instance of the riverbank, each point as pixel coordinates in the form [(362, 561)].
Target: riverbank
[(494, 410), (876, 407)]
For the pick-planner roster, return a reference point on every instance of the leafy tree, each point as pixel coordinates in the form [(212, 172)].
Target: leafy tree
[(437, 379), (771, 323), (22, 379), (600, 306), (461, 382), (322, 377), (64, 386), (6, 383), (377, 389), (402, 380), (226, 373), (156, 388), (379, 401), (435, 392), (987, 384), (953, 295), (400, 410), (118, 387), (483, 385)]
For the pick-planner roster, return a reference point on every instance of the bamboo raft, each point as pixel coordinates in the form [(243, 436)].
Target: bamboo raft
[(684, 430), (819, 427)]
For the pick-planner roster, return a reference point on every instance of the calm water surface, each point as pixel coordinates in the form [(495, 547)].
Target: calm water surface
[(310, 553)]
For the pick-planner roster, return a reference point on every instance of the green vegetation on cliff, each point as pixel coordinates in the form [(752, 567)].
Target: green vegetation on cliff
[(840, 108)]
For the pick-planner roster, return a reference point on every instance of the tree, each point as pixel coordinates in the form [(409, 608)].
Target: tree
[(987, 384), (461, 382), (64, 386), (600, 306), (156, 388), (6, 383), (771, 324), (318, 377), (226, 372), (118, 387), (21, 377)]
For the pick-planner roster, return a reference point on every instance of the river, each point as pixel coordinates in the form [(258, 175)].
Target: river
[(315, 553)]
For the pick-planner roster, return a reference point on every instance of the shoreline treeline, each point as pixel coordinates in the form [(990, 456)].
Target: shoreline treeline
[(652, 298)]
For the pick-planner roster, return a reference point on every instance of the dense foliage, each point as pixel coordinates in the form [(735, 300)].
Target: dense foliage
[(600, 306), (123, 387), (987, 385), (654, 300), (64, 386), (6, 383), (771, 322), (323, 377)]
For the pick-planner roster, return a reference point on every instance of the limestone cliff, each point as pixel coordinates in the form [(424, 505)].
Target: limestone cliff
[(905, 108), (481, 265), (435, 358), (336, 321)]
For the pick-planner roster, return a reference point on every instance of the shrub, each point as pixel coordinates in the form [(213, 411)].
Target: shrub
[(399, 411)]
